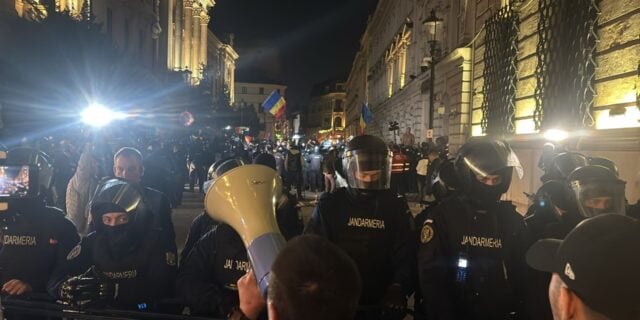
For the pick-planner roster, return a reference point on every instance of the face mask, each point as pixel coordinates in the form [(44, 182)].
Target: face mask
[(484, 195), (119, 238)]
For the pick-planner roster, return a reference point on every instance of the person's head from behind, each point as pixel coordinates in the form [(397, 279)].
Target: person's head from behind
[(266, 159), (127, 164), (313, 279), (595, 269)]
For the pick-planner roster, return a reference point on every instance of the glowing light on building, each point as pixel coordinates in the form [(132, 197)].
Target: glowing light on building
[(525, 126), (555, 135), (630, 118)]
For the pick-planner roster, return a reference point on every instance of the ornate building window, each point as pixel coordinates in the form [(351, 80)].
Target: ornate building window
[(564, 94), (500, 72)]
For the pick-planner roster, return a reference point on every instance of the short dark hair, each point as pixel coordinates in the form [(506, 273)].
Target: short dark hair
[(314, 279), (128, 152)]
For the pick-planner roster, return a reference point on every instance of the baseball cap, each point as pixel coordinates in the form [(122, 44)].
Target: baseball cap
[(599, 262)]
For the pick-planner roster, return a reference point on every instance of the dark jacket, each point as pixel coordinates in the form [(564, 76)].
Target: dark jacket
[(378, 235), (491, 244), (208, 276), (35, 240), (161, 213), (145, 272)]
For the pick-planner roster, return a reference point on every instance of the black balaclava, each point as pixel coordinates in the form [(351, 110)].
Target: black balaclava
[(118, 238)]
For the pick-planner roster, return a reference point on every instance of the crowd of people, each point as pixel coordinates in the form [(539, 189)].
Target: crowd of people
[(93, 227)]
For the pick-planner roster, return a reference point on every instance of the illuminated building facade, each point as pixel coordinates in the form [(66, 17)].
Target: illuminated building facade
[(510, 69), (252, 91), (186, 36), (221, 67), (326, 114)]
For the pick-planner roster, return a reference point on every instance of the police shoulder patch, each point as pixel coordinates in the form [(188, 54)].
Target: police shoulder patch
[(427, 233), (170, 258), (74, 253)]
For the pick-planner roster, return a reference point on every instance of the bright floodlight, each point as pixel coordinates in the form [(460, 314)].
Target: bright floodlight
[(227, 128), (555, 135), (97, 115)]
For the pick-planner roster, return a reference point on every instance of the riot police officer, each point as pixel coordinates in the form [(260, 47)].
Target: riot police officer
[(597, 190), (373, 225), (560, 205), (123, 263), (471, 255), (209, 273), (203, 223), (35, 238)]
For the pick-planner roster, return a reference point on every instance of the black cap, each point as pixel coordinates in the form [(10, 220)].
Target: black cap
[(599, 262)]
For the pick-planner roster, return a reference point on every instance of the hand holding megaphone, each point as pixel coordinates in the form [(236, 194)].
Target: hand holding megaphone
[(245, 198)]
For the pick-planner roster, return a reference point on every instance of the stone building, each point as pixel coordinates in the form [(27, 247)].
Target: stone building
[(252, 90), (326, 110), (163, 35), (221, 67), (510, 69), (184, 41)]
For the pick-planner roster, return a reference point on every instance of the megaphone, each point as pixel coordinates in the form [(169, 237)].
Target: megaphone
[(245, 198)]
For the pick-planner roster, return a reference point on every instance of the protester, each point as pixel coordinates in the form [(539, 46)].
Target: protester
[(311, 279), (595, 269)]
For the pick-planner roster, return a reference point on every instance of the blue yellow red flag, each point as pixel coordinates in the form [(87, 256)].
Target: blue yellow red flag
[(275, 104)]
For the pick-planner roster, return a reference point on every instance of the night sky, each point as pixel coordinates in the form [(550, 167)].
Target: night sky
[(294, 42)]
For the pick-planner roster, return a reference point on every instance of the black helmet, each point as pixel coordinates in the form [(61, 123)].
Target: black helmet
[(444, 180), (219, 168), (117, 195), (229, 164), (599, 161), (484, 157), (367, 154), (26, 173), (597, 190), (562, 165), (555, 193)]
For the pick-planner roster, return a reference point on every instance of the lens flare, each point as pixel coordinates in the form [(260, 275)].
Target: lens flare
[(97, 115)]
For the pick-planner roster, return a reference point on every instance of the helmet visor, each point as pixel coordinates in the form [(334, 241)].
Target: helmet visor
[(601, 197), (368, 169), (484, 165), (565, 163), (118, 192)]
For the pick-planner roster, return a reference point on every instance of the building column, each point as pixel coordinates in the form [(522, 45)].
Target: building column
[(175, 42), (186, 35), (204, 22), (196, 71), (231, 86)]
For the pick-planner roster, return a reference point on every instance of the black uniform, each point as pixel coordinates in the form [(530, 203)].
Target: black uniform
[(471, 262), (207, 278), (315, 171), (378, 235), (145, 271), (35, 239), (160, 209), (200, 226)]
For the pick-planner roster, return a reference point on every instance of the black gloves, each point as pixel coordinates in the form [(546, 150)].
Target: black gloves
[(87, 288), (394, 303)]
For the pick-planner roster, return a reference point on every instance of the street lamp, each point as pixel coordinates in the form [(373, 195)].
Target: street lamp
[(433, 26)]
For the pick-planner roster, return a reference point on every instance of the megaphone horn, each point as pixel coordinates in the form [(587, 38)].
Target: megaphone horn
[(245, 198)]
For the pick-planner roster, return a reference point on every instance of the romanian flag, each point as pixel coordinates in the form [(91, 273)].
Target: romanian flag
[(365, 117), (275, 104)]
